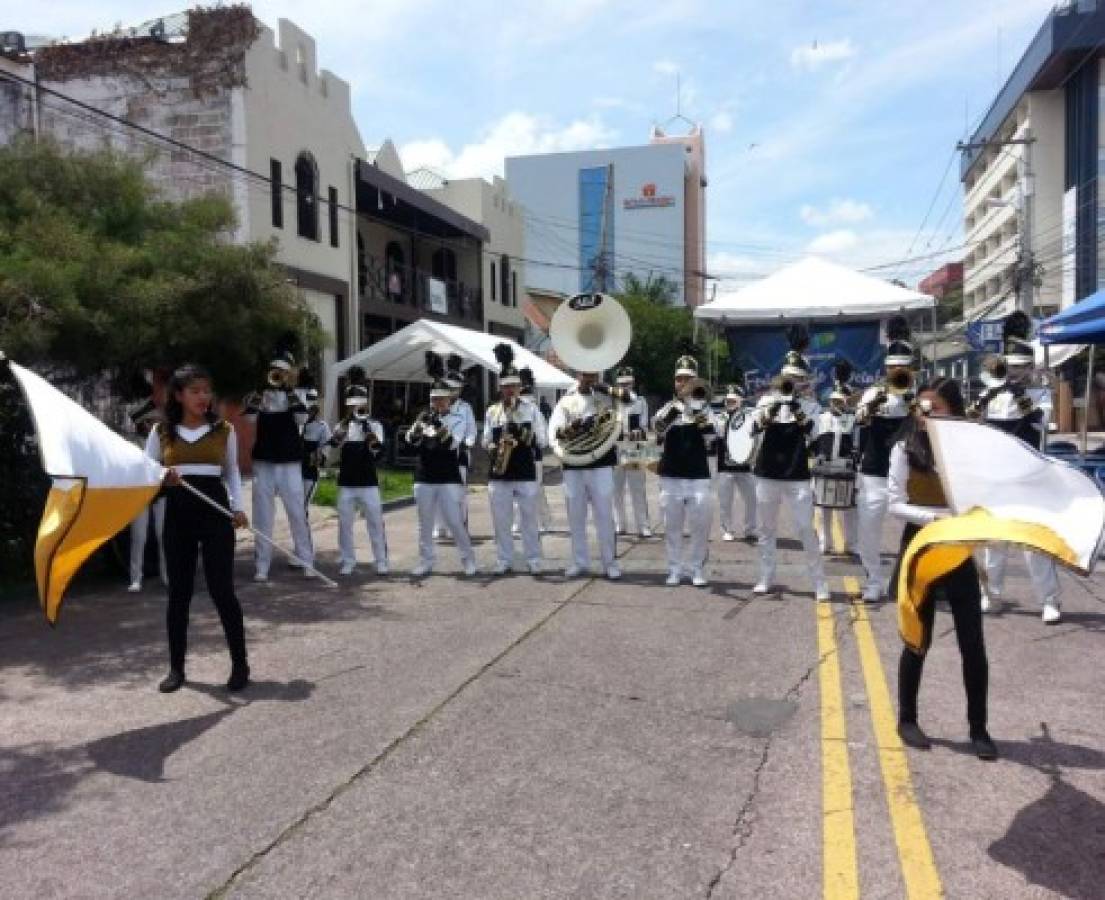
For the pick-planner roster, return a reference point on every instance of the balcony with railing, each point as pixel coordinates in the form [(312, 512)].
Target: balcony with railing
[(388, 284)]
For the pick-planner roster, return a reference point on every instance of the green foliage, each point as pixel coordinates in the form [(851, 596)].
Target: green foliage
[(394, 484), (655, 288), (950, 307), (101, 276), (661, 334)]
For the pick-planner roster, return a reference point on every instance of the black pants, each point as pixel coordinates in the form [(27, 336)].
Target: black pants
[(192, 525), (961, 591)]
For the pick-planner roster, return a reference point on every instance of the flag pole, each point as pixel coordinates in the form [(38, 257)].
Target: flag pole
[(257, 534)]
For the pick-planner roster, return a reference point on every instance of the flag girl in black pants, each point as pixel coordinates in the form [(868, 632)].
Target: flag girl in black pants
[(202, 451), (916, 495)]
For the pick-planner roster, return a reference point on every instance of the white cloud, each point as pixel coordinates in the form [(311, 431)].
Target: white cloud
[(665, 67), (515, 134), (722, 122), (838, 212), (813, 56), (833, 242)]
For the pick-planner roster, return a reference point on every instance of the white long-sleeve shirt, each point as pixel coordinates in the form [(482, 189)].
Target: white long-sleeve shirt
[(228, 471), (897, 492)]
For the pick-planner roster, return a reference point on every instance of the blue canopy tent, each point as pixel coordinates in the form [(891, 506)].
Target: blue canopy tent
[(1082, 323)]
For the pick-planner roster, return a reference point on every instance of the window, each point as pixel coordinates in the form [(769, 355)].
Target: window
[(492, 282), (504, 276), (276, 189), (514, 288), (393, 267), (306, 195), (443, 265), (596, 228), (332, 196)]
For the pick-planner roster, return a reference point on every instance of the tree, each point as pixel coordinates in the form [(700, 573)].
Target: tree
[(100, 276), (657, 289)]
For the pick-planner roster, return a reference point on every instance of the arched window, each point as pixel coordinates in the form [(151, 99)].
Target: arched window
[(394, 271), (306, 195)]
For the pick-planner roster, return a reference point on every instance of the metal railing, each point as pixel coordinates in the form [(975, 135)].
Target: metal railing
[(382, 282)]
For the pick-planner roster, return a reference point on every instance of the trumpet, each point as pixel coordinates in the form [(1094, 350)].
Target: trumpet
[(785, 387), (280, 379), (899, 381)]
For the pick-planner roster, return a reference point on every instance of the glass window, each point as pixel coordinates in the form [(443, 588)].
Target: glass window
[(493, 281), (306, 195), (276, 189), (596, 228), (332, 198)]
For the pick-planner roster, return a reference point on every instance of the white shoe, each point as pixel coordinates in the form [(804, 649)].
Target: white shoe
[(534, 566), (381, 568), (501, 568), (347, 568), (613, 573), (761, 588), (420, 570), (134, 587), (821, 592), (260, 577), (872, 593), (698, 579), (728, 536), (985, 603), (646, 532), (673, 578), (573, 572), (470, 567), (1051, 613)]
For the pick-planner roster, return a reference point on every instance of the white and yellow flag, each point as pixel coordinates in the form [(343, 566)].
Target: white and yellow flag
[(100, 483), (999, 490)]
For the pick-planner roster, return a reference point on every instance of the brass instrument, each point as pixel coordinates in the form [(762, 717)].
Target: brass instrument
[(899, 381), (280, 379), (428, 427), (508, 441)]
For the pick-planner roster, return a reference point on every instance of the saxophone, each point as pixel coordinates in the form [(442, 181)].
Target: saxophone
[(507, 441)]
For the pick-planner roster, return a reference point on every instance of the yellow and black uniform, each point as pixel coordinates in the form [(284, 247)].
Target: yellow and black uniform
[(207, 459)]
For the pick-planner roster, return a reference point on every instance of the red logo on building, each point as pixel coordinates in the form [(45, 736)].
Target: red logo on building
[(648, 190)]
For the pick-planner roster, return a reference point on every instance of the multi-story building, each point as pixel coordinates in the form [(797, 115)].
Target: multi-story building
[(504, 268), (594, 216), (1031, 206)]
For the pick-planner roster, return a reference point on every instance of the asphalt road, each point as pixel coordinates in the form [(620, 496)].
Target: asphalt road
[(536, 737)]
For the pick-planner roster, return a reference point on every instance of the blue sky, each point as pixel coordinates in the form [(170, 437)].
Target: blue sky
[(829, 123)]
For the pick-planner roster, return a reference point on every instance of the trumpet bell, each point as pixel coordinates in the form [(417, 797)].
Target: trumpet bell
[(899, 381), (590, 332)]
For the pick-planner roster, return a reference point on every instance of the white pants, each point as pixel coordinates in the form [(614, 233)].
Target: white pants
[(442, 500), (686, 499), (367, 500), (1041, 570), (798, 495), (871, 501), (440, 525), (847, 519), (139, 529), (286, 481), (502, 495), (594, 486), (634, 479), (544, 517), (729, 483)]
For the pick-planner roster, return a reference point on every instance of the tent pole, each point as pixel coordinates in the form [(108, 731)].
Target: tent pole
[(1054, 399), (1086, 407)]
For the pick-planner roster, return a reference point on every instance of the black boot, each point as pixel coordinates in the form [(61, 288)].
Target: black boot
[(239, 677), (912, 736), (982, 745), (174, 681)]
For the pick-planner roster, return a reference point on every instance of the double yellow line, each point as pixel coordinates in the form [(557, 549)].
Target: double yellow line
[(839, 863)]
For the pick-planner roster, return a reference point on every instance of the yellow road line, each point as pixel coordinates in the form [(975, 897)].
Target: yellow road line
[(914, 851), (838, 833)]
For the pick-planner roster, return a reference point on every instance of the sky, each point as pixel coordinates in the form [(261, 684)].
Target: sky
[(830, 124)]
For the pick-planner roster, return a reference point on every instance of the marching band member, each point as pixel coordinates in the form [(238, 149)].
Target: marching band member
[(278, 462), (316, 435), (544, 516), (634, 419), (512, 428), (916, 495), (438, 434), (591, 483), (145, 419), (1018, 408), (834, 449), (734, 477), (454, 378), (684, 426), (880, 413), (361, 442), (201, 450), (787, 421)]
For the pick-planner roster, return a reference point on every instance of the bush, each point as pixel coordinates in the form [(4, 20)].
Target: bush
[(394, 484)]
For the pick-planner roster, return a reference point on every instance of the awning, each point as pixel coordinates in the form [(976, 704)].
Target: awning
[(813, 289), (1082, 323), (401, 357)]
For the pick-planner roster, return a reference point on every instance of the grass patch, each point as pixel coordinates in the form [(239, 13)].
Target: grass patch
[(394, 484)]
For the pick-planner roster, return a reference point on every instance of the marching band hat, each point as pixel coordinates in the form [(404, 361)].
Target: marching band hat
[(734, 392), (528, 381), (795, 365), (686, 365), (508, 372), (1016, 334), (624, 375), (454, 377), (284, 361), (842, 375), (840, 392), (355, 395), (441, 388), (899, 350)]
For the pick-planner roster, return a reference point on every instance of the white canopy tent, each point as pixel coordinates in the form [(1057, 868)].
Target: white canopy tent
[(812, 289), (401, 357)]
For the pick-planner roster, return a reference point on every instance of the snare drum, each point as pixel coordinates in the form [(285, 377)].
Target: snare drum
[(834, 488)]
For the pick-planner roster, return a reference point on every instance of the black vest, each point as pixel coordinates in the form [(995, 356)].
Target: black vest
[(876, 439), (278, 439), (685, 452), (784, 452), (522, 465)]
